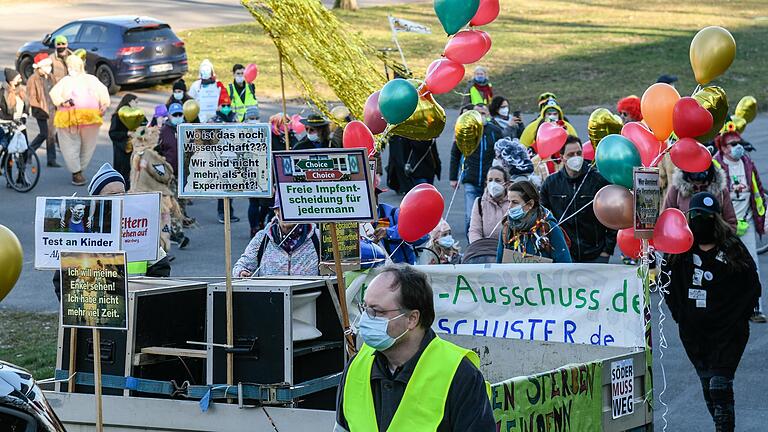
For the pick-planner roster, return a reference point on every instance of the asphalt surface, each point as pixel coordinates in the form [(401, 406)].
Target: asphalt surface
[(205, 256)]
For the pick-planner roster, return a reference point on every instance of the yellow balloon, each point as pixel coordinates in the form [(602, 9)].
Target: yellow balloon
[(712, 52), (191, 110), (747, 108), (81, 52), (469, 131), (603, 123), (131, 117), (426, 123), (11, 259), (714, 100)]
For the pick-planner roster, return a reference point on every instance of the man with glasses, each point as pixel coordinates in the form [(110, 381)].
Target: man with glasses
[(60, 58), (405, 377), (242, 94)]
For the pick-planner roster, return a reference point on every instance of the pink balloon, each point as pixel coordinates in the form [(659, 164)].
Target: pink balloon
[(443, 75), (372, 116), (468, 46), (588, 151), (357, 135), (644, 140), (550, 139), (486, 13), (420, 212), (671, 234), (296, 124), (688, 155), (690, 119), (251, 72)]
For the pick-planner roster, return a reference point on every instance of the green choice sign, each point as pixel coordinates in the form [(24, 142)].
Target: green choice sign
[(315, 164)]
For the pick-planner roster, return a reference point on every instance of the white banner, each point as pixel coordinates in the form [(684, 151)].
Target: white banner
[(594, 304), (75, 224), (404, 25), (141, 226)]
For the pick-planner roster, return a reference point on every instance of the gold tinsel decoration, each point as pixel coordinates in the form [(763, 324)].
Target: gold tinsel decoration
[(306, 30)]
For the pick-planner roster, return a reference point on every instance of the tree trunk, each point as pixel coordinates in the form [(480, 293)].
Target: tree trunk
[(345, 4)]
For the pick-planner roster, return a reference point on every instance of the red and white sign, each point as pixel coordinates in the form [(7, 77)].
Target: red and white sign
[(324, 175)]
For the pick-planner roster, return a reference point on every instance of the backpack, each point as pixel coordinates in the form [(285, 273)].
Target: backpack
[(266, 240)]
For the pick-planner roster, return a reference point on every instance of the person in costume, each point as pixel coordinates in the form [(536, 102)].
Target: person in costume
[(480, 90), (206, 91), (81, 101), (318, 133), (629, 109), (550, 113)]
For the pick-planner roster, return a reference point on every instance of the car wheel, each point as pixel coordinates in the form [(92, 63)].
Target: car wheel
[(25, 68), (105, 75)]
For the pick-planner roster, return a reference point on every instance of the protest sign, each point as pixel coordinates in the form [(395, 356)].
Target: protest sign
[(68, 223), (622, 388), (329, 185), (565, 399), (349, 242), (225, 160), (647, 199), (569, 303), (94, 290), (141, 226)]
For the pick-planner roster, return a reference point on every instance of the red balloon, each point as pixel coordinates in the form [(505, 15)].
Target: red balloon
[(372, 115), (486, 13), (688, 155), (672, 234), (645, 141), (420, 212), (550, 139), (629, 245), (443, 75), (587, 151), (689, 119), (251, 72), (468, 46), (357, 135)]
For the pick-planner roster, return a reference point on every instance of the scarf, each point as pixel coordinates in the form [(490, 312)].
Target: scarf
[(485, 89), (292, 241)]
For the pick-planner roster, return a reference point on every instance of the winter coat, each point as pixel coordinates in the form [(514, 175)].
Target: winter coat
[(59, 64), (303, 261), (559, 252), (38, 88), (477, 164), (756, 191), (487, 215), (421, 155), (306, 144), (8, 108), (399, 251), (589, 238), (680, 192), (509, 131), (167, 146)]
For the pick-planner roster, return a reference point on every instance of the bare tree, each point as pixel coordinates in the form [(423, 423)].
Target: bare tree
[(345, 4)]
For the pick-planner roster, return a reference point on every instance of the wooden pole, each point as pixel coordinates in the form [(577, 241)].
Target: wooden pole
[(351, 349), (72, 352), (228, 273), (97, 379), (285, 104)]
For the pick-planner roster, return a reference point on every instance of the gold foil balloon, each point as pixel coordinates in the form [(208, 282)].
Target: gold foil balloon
[(739, 123), (11, 259), (712, 52), (469, 131), (714, 100), (426, 123), (131, 117), (747, 108), (191, 110), (603, 123)]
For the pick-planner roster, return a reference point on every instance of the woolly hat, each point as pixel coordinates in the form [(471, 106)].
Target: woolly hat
[(10, 74), (252, 113), (42, 60), (61, 39), (513, 156), (631, 106), (103, 177), (180, 85)]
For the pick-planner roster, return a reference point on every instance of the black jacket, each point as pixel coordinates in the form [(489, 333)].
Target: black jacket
[(477, 164), (588, 236), (715, 331), (422, 156)]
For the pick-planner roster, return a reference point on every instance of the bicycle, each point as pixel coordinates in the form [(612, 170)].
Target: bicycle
[(21, 169)]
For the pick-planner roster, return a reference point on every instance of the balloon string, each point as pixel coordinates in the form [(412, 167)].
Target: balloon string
[(696, 90), (661, 288), (564, 220), (575, 194), (255, 273), (456, 189), (396, 249), (658, 158)]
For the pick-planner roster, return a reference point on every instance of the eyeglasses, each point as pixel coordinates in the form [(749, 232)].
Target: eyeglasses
[(373, 313), (177, 114)]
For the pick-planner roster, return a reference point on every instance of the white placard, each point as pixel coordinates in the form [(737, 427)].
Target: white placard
[(208, 99), (75, 224), (141, 226), (622, 388)]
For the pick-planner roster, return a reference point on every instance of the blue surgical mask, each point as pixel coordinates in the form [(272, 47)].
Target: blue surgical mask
[(516, 212), (313, 137), (481, 80), (737, 151), (178, 95), (374, 331), (446, 242), (177, 120)]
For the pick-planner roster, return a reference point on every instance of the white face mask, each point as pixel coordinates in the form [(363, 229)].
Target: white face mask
[(205, 73), (575, 163), (504, 111), (496, 190), (553, 118), (239, 79)]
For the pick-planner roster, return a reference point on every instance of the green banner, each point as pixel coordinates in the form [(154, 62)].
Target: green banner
[(563, 400)]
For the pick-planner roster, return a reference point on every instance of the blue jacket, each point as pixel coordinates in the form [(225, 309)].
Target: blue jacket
[(401, 254), (559, 253)]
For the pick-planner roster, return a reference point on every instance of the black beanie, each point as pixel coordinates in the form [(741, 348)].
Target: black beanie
[(10, 74), (180, 85)]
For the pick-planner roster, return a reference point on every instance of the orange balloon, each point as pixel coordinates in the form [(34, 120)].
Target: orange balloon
[(657, 105)]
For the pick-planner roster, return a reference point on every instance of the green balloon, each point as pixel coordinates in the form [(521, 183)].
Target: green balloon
[(455, 14), (615, 157), (397, 101)]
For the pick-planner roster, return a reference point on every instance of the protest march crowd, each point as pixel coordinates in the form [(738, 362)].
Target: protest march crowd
[(527, 200)]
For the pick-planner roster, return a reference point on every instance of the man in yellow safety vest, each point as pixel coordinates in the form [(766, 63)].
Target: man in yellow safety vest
[(241, 93), (405, 377)]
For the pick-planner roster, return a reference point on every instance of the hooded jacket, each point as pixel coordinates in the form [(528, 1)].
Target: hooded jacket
[(529, 133), (89, 97), (680, 192), (477, 164), (207, 110), (756, 191)]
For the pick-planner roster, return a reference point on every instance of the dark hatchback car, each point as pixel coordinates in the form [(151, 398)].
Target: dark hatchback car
[(120, 50)]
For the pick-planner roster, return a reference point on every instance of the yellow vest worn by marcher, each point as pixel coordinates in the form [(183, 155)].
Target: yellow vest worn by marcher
[(239, 105), (423, 404)]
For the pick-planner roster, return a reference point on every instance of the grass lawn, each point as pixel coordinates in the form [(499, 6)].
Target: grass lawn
[(588, 52), (28, 340)]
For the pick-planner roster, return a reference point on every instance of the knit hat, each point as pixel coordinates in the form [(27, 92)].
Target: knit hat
[(10, 74), (61, 39), (513, 156), (224, 98), (42, 60), (631, 106), (103, 177), (252, 113), (180, 85), (175, 108)]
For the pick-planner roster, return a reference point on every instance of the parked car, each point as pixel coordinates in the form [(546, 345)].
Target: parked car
[(120, 50)]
